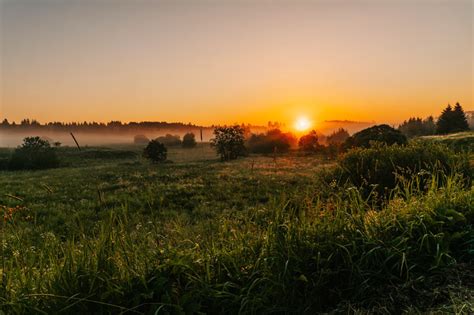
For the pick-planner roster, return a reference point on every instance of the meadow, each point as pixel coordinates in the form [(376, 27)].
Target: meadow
[(109, 232)]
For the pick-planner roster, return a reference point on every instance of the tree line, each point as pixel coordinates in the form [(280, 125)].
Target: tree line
[(111, 126), (451, 120)]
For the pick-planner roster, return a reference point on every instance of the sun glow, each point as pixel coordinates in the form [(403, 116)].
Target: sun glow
[(302, 124)]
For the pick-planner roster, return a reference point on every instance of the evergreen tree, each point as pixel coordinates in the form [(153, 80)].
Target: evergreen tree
[(444, 123), (452, 120), (429, 126), (459, 119)]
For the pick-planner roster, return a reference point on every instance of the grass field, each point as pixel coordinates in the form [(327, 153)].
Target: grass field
[(108, 232)]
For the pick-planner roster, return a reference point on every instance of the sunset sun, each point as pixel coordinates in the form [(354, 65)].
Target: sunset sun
[(302, 124)]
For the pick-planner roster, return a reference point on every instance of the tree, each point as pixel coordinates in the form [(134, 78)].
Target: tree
[(273, 141), (155, 151), (189, 140), (338, 137), (309, 142), (34, 154), (5, 123), (415, 127), (459, 119), (451, 121), (380, 133), (444, 124), (229, 142), (429, 126)]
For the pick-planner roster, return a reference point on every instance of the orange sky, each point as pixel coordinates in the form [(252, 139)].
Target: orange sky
[(211, 62)]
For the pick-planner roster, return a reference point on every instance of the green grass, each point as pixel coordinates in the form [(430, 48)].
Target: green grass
[(110, 233), (461, 141)]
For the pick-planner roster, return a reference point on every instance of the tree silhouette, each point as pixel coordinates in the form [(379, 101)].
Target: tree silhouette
[(459, 119), (445, 120), (34, 154), (155, 151), (452, 120), (309, 142), (189, 140), (338, 137)]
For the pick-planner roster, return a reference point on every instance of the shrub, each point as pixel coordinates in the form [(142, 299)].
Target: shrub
[(309, 142), (381, 167), (141, 139), (189, 140), (271, 141), (169, 140), (380, 133), (34, 154), (155, 151), (229, 142)]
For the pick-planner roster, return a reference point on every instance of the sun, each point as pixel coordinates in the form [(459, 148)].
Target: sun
[(302, 124)]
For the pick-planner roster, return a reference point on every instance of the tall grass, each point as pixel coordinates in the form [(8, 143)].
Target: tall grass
[(335, 253)]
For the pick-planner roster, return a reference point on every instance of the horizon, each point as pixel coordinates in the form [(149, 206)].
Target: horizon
[(218, 63)]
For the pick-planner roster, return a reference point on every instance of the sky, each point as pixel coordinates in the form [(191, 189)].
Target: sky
[(215, 62)]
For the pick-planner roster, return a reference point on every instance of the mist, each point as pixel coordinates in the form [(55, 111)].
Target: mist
[(11, 139)]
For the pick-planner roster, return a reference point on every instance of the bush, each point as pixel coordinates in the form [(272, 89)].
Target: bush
[(141, 139), (271, 141), (169, 140), (155, 151), (309, 142), (381, 167), (189, 140), (34, 154), (380, 133), (229, 142)]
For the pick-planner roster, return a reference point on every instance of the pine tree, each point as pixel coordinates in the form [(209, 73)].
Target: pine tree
[(459, 119), (444, 123)]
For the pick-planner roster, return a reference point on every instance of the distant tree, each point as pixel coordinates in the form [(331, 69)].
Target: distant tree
[(57, 144), (5, 123), (380, 133), (272, 141), (140, 139), (451, 121), (337, 137), (309, 142), (429, 126), (155, 151), (444, 124), (415, 127), (459, 119), (170, 140), (34, 154), (229, 142), (189, 140)]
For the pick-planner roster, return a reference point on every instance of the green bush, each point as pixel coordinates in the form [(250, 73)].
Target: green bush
[(189, 140), (229, 142), (380, 168), (380, 133), (273, 140), (155, 151), (34, 154)]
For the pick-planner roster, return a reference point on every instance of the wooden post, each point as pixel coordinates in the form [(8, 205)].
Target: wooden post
[(201, 134), (77, 143)]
